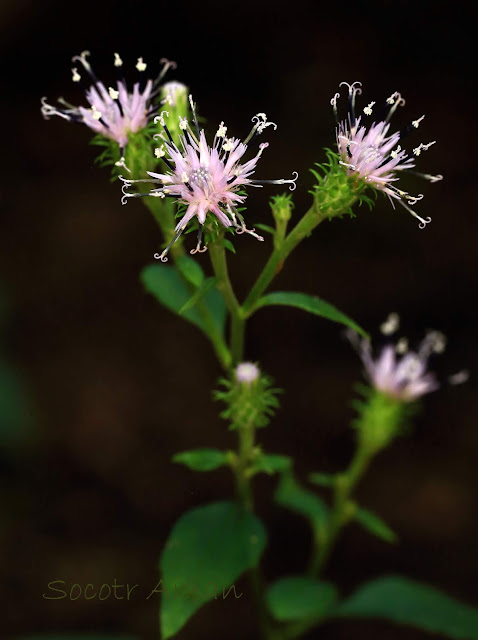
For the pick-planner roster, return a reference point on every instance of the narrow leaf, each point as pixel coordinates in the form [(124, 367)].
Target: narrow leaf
[(375, 525), (208, 549), (312, 304), (265, 227), (291, 495), (298, 598), (322, 479), (412, 603), (228, 244), (272, 463), (202, 459)]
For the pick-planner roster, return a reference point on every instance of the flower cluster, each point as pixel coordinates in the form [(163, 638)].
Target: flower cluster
[(207, 179), (114, 112), (399, 372), (375, 157)]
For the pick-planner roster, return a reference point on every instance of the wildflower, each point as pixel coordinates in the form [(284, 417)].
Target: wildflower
[(113, 112), (247, 372), (399, 372), (206, 179), (375, 157)]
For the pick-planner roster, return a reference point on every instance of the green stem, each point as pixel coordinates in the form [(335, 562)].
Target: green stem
[(217, 252), (163, 212), (246, 435), (345, 485), (303, 228)]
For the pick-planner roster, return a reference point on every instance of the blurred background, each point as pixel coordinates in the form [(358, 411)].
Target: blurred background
[(100, 386)]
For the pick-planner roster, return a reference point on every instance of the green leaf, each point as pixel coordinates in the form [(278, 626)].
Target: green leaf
[(228, 244), (312, 304), (200, 293), (322, 479), (412, 603), (375, 525), (265, 227), (299, 598), (166, 284), (291, 495), (202, 459), (191, 270), (271, 463), (208, 549)]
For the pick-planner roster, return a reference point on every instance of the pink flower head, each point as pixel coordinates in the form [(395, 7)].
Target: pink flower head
[(398, 372), (208, 179), (247, 372), (371, 154), (113, 112)]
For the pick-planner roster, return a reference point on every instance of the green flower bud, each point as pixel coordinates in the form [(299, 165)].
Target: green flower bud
[(381, 418), (282, 207), (335, 192), (250, 400)]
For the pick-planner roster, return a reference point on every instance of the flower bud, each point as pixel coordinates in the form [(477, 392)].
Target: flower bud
[(249, 397), (247, 373), (282, 207)]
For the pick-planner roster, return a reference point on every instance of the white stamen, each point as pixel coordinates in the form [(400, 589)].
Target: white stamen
[(114, 94), (459, 378), (160, 118), (260, 126), (228, 144), (353, 88), (391, 324), (95, 113), (422, 147), (221, 132), (121, 163), (368, 109), (183, 123), (184, 177), (157, 194), (48, 110), (432, 179), (262, 146), (118, 61), (333, 102), (140, 65), (402, 346), (396, 151), (159, 152), (415, 123), (414, 199), (163, 256), (76, 76), (437, 341)]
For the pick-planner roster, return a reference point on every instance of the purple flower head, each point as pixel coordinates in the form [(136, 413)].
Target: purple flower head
[(114, 112), (372, 155), (398, 371), (207, 179), (247, 372)]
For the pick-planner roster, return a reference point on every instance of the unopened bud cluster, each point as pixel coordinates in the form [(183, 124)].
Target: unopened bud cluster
[(250, 400)]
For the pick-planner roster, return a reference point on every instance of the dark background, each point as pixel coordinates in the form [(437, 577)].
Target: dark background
[(115, 385)]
